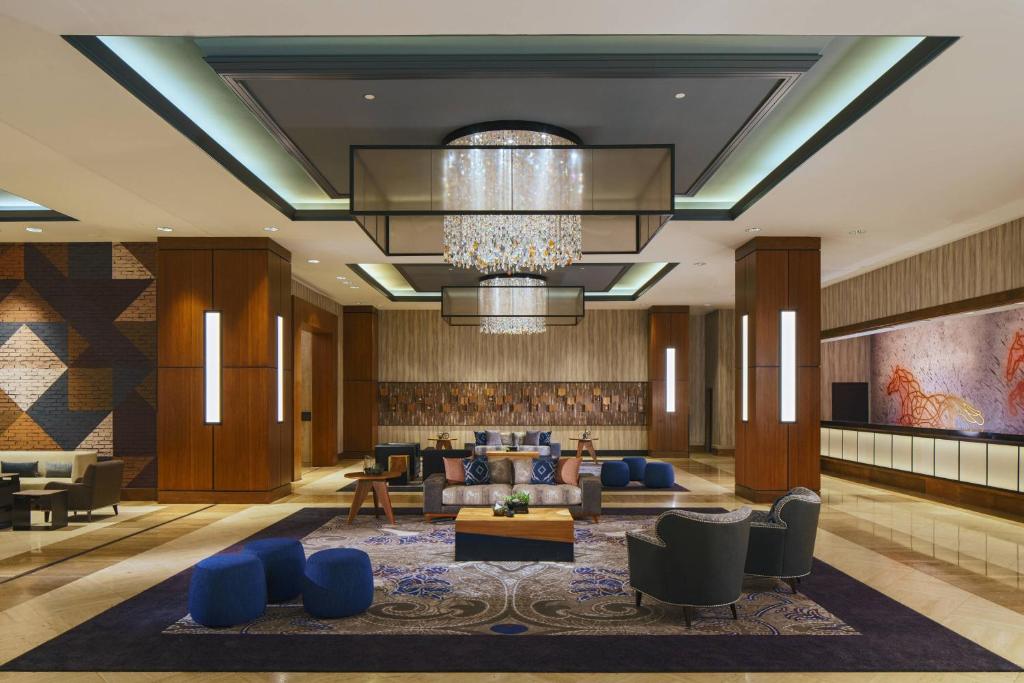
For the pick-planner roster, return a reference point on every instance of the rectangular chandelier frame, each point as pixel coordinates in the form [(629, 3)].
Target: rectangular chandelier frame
[(460, 305), (400, 193)]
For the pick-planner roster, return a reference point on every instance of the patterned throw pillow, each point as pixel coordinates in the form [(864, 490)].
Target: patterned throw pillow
[(493, 438), (477, 471), (543, 471), (454, 473), (25, 469), (59, 470), (567, 471), (481, 438), (531, 439), (545, 438)]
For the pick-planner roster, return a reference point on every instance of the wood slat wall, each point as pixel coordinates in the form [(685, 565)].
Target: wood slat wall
[(721, 376), (985, 263), (847, 360), (698, 414)]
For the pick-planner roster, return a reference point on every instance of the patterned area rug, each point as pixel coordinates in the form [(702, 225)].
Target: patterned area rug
[(421, 590)]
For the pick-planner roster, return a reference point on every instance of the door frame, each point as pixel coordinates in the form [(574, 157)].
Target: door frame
[(323, 325)]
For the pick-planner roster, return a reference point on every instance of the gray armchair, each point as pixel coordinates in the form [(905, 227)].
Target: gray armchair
[(782, 539), (99, 487), (692, 559)]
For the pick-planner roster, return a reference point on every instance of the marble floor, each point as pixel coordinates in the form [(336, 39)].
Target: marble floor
[(962, 569)]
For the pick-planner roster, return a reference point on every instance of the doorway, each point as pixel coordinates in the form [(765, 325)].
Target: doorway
[(315, 337)]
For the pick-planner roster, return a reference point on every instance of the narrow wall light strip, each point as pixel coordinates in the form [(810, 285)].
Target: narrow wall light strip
[(744, 362), (787, 366), (670, 380), (280, 369), (211, 366)]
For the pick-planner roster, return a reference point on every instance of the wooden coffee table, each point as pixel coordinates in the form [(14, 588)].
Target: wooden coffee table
[(541, 535), (53, 501), (378, 485)]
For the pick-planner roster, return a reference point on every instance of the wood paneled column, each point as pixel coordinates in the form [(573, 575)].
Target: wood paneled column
[(359, 380), (668, 431), (773, 454), (247, 456)]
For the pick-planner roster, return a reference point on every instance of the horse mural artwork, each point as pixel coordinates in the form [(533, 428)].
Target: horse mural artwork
[(1014, 363), (918, 409)]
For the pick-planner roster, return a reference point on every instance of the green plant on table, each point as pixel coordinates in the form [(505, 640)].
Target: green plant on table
[(518, 498)]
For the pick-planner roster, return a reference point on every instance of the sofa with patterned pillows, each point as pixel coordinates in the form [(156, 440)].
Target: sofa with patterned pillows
[(490, 440), (482, 480)]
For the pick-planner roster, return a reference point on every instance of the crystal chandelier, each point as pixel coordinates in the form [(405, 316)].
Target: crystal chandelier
[(494, 243), (512, 305)]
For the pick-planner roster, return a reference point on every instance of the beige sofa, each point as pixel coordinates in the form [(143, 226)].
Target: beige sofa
[(79, 461)]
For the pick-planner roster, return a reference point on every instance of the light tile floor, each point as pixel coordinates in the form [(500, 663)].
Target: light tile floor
[(960, 568)]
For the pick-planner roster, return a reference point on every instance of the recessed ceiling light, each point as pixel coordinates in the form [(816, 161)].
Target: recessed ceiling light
[(33, 228), (164, 228), (680, 95), (313, 260), (699, 263), (353, 286), (369, 97), (753, 229), (340, 277), (858, 231), (270, 228)]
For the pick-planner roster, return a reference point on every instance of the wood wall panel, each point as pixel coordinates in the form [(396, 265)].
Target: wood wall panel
[(770, 284), (360, 351), (985, 263), (722, 378), (360, 417), (698, 383), (242, 458), (668, 433), (325, 398), (301, 290), (360, 345), (845, 360), (185, 291), (241, 291), (185, 460)]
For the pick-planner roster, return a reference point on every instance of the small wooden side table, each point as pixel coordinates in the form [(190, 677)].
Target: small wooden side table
[(442, 444), (585, 445), (376, 484), (54, 501)]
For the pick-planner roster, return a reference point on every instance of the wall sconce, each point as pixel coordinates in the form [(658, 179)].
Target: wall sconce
[(670, 380), (744, 362), (211, 366), (280, 369), (787, 366)]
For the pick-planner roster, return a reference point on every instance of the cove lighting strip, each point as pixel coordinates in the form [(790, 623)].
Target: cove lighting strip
[(280, 368), (211, 366), (787, 366), (744, 362), (670, 380)]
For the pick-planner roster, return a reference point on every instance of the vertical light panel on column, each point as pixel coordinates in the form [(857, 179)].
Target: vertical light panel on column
[(670, 380), (211, 366), (744, 363), (280, 369), (787, 366)]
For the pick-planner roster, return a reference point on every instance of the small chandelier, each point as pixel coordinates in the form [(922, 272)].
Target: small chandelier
[(516, 304), (494, 243)]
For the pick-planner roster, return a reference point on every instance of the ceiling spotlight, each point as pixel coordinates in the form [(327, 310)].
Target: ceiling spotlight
[(33, 228), (353, 286), (680, 95), (314, 261), (164, 228), (753, 229), (270, 228), (858, 231), (369, 97), (699, 263), (340, 277)]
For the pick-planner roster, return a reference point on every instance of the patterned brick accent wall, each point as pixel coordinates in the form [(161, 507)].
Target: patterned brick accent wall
[(78, 351)]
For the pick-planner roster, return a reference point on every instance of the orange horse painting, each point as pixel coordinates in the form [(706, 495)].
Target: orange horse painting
[(1014, 361), (918, 409)]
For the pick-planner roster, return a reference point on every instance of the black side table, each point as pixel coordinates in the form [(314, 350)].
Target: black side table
[(9, 484), (53, 500)]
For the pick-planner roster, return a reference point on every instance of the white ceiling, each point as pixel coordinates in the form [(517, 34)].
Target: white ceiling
[(938, 159)]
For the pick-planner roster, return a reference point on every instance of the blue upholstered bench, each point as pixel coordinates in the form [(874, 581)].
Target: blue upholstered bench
[(637, 464), (338, 583), (615, 473), (284, 563), (659, 475), (227, 590)]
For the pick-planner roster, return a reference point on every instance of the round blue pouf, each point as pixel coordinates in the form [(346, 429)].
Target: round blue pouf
[(338, 583), (284, 563), (615, 473), (637, 465), (227, 590), (659, 475)]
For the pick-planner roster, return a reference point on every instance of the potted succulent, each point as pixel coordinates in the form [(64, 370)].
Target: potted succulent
[(519, 502)]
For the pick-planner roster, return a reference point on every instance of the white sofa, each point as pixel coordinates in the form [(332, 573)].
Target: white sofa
[(79, 461)]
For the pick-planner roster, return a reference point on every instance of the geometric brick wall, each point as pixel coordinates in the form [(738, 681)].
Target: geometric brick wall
[(78, 351)]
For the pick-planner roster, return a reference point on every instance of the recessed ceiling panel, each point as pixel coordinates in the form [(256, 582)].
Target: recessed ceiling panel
[(431, 277)]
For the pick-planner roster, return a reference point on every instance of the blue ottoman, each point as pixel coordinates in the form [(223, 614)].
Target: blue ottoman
[(615, 473), (284, 563), (338, 583), (637, 465), (227, 590), (659, 475)]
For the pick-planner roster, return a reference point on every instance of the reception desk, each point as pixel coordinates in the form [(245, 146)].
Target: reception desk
[(979, 470)]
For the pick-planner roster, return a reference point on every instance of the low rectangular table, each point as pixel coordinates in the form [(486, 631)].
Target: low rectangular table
[(541, 535), (54, 501)]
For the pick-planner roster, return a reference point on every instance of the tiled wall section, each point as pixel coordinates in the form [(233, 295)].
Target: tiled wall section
[(78, 351)]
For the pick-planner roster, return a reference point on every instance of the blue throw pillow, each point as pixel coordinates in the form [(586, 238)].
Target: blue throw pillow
[(477, 471), (545, 438), (60, 470), (25, 469), (543, 471), (481, 438)]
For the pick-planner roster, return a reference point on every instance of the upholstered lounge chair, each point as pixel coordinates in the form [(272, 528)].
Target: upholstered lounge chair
[(782, 539), (99, 487), (692, 559)]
